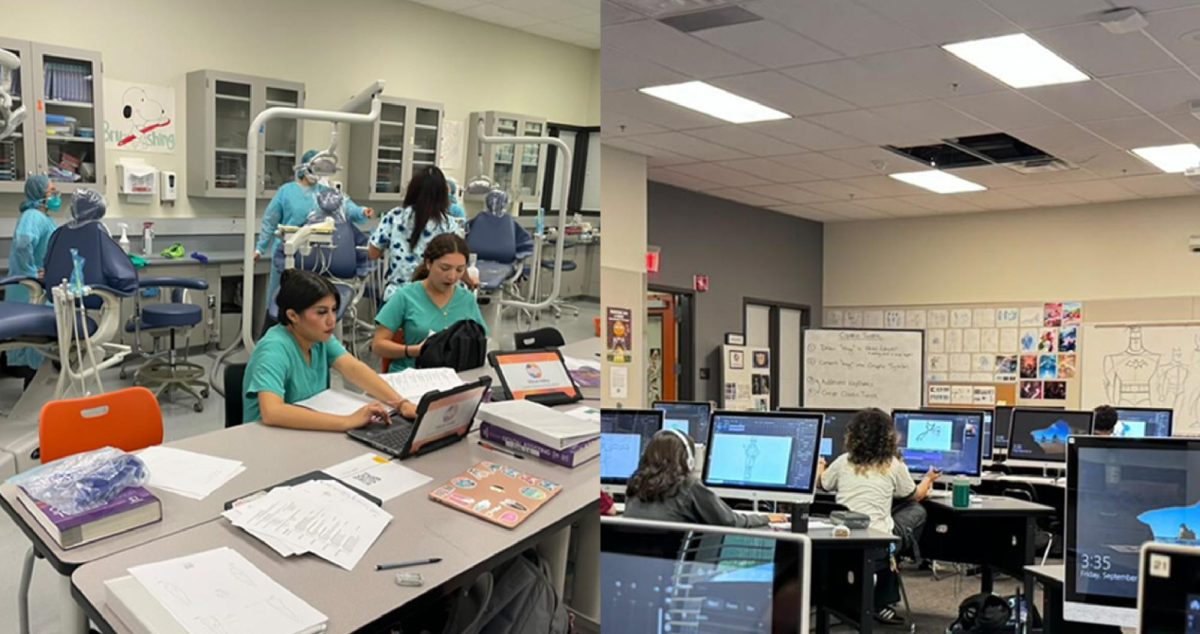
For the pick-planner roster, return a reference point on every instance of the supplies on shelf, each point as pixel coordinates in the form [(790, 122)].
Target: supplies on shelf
[(68, 82), (9, 169)]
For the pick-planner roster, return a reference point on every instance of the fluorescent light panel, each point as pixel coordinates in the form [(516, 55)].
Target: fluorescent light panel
[(714, 102), (1172, 159), (1017, 60), (938, 182)]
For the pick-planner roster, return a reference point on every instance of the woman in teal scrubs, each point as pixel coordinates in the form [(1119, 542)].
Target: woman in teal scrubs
[(434, 304), (292, 360)]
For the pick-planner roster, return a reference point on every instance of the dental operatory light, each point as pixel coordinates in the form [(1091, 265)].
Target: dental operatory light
[(10, 118), (938, 182), (715, 102), (1017, 60), (481, 184)]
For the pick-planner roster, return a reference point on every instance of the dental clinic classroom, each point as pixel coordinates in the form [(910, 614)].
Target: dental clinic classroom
[(920, 332), (268, 267)]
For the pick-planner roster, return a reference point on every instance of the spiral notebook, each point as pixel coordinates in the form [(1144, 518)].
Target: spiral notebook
[(496, 493)]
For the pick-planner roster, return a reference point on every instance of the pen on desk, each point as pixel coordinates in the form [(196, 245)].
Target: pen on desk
[(503, 451), (405, 564)]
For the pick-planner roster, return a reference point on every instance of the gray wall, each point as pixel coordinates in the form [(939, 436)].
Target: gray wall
[(745, 251)]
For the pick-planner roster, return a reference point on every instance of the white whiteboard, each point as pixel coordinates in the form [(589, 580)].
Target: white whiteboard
[(1144, 365), (864, 368)]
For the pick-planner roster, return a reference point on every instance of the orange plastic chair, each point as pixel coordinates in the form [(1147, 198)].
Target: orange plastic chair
[(397, 337), (127, 419)]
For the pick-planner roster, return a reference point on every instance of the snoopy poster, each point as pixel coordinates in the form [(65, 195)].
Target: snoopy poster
[(139, 117)]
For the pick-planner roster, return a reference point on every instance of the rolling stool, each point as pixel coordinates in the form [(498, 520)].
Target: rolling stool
[(164, 371), (559, 305)]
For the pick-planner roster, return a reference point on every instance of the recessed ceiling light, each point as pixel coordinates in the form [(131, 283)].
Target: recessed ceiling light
[(715, 102), (1017, 60), (1171, 159), (938, 182)]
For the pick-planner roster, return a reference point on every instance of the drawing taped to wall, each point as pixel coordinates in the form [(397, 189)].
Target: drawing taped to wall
[(1144, 365)]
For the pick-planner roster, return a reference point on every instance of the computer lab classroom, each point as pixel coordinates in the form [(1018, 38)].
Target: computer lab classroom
[(913, 337)]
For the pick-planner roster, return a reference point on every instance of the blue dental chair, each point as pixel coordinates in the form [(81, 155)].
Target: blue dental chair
[(500, 244), (345, 264)]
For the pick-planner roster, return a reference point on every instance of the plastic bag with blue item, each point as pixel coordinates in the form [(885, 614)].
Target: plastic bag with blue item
[(82, 482)]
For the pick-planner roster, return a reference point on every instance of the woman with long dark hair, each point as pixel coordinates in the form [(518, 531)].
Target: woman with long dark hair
[(405, 232)]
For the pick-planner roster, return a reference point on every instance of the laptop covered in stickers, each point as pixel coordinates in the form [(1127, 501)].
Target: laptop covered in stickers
[(496, 493)]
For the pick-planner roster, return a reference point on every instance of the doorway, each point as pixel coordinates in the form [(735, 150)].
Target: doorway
[(670, 356), (779, 327)]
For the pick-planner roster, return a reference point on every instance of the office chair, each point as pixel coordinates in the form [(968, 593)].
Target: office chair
[(235, 373), (164, 371), (540, 338)]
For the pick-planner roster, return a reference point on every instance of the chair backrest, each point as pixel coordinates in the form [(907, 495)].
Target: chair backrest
[(397, 337), (104, 261), (344, 261), (493, 238), (540, 338), (127, 419), (234, 374)]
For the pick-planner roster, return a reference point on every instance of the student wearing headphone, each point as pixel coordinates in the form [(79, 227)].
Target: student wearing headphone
[(663, 488)]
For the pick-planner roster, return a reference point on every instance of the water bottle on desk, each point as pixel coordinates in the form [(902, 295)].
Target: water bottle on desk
[(962, 492)]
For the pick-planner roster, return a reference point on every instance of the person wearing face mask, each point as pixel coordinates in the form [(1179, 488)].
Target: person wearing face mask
[(456, 210), (28, 257), (434, 301), (292, 362), (291, 206)]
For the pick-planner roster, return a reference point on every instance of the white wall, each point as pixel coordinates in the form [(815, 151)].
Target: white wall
[(623, 263), (336, 49), (1110, 251)]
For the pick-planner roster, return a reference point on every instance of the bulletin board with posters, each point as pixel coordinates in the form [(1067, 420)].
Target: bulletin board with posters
[(745, 378)]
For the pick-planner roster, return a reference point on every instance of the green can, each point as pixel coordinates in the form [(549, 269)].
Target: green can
[(962, 493)]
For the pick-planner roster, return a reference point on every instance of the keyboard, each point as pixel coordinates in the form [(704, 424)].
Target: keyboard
[(394, 437)]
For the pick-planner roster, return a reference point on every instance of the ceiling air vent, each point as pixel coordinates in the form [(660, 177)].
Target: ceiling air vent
[(983, 149), (1041, 166), (710, 19), (663, 8)]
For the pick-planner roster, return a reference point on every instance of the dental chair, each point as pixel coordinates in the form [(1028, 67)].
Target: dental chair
[(501, 246)]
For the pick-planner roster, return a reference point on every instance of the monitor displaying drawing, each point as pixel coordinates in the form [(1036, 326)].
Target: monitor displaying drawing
[(1039, 437), (1169, 589), (763, 455), (624, 433), (1137, 422), (949, 441), (1003, 419), (833, 432), (689, 418), (1121, 493)]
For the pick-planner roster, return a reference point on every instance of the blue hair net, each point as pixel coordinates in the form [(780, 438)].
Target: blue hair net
[(35, 191), (308, 156), (87, 205), (496, 202), (453, 185)]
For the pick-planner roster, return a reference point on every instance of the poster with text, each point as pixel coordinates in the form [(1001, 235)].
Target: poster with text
[(139, 117), (620, 335)]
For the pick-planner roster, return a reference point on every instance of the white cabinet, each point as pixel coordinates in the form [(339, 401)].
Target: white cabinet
[(515, 167), (385, 154)]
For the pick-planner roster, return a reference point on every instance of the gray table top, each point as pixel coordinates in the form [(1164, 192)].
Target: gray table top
[(994, 505), (1048, 572), (420, 528)]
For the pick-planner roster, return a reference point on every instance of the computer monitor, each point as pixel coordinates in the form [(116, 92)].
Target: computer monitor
[(624, 434), (666, 578), (833, 432), (690, 418), (949, 441), (1121, 493), (1169, 589), (763, 455), (1142, 422), (1038, 437), (1002, 420)]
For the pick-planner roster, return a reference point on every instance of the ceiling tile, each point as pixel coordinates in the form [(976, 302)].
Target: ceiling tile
[(876, 160), (680, 143), (992, 176), (1183, 123), (667, 159), (849, 210), (1174, 29), (782, 93), (837, 190), (665, 175), (547, 10), (852, 81), (941, 21), (1083, 101), (994, 200), (802, 211), (1117, 163), (653, 40), (767, 44), (770, 170), (1134, 132), (656, 111), (790, 193), (894, 206), (744, 196), (1098, 191), (805, 134), (611, 13), (879, 186), (840, 25), (620, 70), (871, 128), (1045, 195), (614, 123), (1168, 91), (748, 141), (1036, 14), (720, 176), (934, 120), (822, 165), (1157, 185), (1099, 53), (951, 203), (1005, 110), (658, 156), (1069, 141)]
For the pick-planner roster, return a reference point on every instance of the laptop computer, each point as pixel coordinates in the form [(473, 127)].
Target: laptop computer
[(540, 376), (443, 418)]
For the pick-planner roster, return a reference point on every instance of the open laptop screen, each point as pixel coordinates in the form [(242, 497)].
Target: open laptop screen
[(538, 373), (449, 415)]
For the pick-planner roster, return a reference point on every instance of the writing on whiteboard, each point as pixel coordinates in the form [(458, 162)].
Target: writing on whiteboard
[(855, 368)]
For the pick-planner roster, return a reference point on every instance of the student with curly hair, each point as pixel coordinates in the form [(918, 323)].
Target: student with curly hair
[(871, 478)]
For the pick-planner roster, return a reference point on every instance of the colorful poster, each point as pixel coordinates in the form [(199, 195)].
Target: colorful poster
[(985, 317), (1053, 314), (1068, 366), (1006, 364), (620, 335), (1072, 313), (935, 340), (833, 318), (1047, 367), (139, 117), (1048, 340), (1031, 390), (914, 319), (1008, 317), (762, 359), (893, 319), (1054, 390), (1029, 366), (1068, 338), (938, 318), (960, 318)]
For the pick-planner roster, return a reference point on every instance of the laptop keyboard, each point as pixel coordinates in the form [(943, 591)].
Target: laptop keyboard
[(395, 436)]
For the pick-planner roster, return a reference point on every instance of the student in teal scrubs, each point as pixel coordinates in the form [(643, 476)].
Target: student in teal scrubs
[(292, 360), (436, 303)]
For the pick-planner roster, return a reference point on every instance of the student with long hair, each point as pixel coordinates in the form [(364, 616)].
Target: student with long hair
[(406, 231)]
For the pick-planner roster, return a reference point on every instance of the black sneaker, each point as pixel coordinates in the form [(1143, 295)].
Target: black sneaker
[(889, 616)]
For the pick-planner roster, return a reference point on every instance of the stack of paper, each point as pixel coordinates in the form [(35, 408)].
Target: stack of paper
[(336, 402), (187, 473), (537, 422), (585, 412), (218, 591), (320, 516), (378, 475), (414, 383)]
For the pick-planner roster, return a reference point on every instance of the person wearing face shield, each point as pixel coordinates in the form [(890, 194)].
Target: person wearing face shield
[(292, 205), (456, 210), (28, 256)]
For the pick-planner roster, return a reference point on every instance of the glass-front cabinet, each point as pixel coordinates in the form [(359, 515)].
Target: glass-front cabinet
[(517, 168), (221, 108), (61, 89), (385, 155)]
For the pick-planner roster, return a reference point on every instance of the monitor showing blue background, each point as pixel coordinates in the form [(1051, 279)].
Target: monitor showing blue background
[(1040, 434), (763, 451), (1143, 423), (689, 418), (624, 434), (947, 441)]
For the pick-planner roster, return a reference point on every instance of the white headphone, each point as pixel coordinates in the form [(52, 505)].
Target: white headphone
[(687, 446)]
